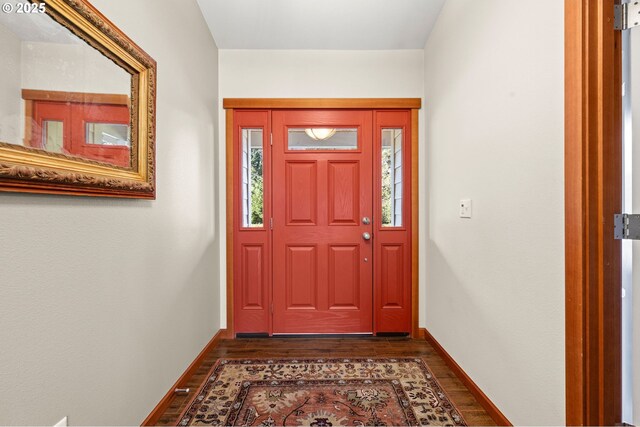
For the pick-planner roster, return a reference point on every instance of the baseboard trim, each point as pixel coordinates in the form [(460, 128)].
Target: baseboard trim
[(482, 398), (154, 416)]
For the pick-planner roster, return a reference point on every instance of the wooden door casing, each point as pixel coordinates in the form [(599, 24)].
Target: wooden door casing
[(394, 311)]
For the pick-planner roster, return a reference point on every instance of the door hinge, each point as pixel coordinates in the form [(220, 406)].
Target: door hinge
[(271, 308), (271, 139), (626, 15), (271, 223), (626, 226)]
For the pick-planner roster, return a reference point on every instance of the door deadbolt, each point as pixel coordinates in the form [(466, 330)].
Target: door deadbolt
[(366, 220)]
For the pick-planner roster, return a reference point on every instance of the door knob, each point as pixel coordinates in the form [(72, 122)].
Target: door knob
[(366, 236)]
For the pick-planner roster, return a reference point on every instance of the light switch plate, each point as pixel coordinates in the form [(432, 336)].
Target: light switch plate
[(465, 208), (61, 423)]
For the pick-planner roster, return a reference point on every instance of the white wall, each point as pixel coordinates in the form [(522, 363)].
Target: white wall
[(106, 302), (314, 74), (494, 119), (10, 96)]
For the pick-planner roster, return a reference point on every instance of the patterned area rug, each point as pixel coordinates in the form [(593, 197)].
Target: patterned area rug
[(321, 392)]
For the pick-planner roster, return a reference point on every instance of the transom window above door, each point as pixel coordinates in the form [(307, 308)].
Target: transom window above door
[(320, 139)]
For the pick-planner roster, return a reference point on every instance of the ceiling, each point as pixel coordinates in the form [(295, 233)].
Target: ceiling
[(321, 24)]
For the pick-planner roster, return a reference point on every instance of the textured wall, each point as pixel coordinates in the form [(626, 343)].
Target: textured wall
[(104, 303), (495, 283)]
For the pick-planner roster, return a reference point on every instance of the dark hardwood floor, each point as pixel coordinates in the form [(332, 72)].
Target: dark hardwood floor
[(474, 414)]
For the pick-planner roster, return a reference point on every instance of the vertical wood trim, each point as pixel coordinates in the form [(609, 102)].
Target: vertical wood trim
[(593, 187), (574, 205), (230, 219), (415, 220)]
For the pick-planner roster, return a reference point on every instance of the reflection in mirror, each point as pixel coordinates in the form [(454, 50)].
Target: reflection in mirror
[(60, 95), (52, 131), (108, 134)]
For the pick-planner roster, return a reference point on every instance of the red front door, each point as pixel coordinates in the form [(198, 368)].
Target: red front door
[(322, 206), (322, 221)]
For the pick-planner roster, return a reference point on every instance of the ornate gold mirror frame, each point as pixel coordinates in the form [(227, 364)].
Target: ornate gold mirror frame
[(24, 169)]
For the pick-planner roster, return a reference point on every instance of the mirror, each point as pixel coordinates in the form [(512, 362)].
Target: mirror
[(77, 104)]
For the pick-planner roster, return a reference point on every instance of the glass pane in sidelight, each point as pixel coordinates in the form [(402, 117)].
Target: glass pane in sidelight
[(392, 178), (252, 180), (111, 134), (316, 138), (53, 136)]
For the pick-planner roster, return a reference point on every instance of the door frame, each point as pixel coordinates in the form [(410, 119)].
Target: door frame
[(593, 194), (412, 104)]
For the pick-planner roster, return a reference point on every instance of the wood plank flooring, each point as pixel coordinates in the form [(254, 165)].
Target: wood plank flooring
[(335, 347)]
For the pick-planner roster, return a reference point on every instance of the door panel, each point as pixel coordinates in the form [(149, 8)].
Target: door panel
[(344, 277), (301, 270), (392, 280), (301, 183), (253, 293), (344, 193), (322, 265)]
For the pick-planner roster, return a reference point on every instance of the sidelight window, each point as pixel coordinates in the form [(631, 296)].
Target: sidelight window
[(252, 179), (392, 177), (53, 136)]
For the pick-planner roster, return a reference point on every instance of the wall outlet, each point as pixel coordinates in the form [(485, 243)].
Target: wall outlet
[(61, 423), (465, 208)]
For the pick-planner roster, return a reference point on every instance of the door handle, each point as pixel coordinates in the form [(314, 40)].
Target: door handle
[(366, 236)]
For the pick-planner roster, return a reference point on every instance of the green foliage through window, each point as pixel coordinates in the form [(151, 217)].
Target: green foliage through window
[(386, 186), (257, 188)]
